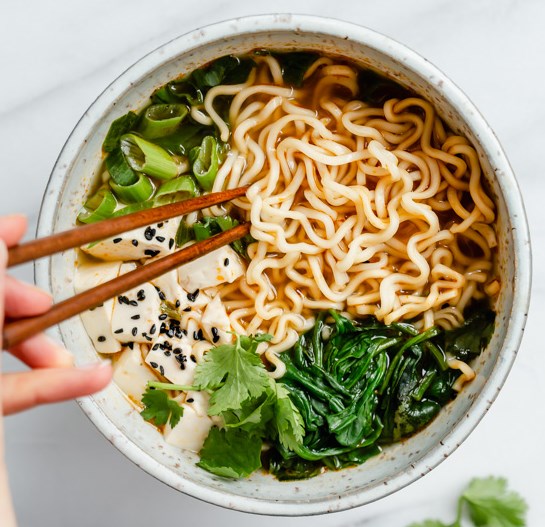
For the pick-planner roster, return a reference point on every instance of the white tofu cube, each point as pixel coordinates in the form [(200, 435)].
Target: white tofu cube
[(136, 313), (144, 242), (172, 358), (131, 373), (199, 401), (212, 269), (98, 321), (190, 432), (215, 322)]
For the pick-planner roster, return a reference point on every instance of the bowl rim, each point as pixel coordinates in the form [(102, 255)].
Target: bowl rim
[(507, 182)]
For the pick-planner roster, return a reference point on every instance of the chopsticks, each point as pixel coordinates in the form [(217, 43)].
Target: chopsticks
[(16, 331), (79, 236)]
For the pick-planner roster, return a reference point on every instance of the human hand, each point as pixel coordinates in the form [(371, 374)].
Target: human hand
[(52, 377)]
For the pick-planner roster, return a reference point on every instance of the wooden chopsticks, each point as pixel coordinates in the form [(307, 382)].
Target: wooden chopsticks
[(16, 331), (79, 236)]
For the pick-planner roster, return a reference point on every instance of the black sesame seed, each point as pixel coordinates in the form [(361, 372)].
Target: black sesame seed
[(179, 333), (193, 359), (134, 332), (160, 225), (152, 329), (162, 328), (141, 295), (195, 336), (123, 299), (153, 365), (155, 346), (117, 240), (184, 331), (133, 303), (101, 338), (215, 335), (151, 252), (131, 345), (149, 233), (177, 304), (167, 353), (193, 296), (117, 331), (187, 309), (135, 317), (162, 316), (160, 239), (177, 351), (200, 334), (162, 370), (171, 243), (226, 262), (147, 337), (135, 243), (190, 400), (170, 333), (162, 295)]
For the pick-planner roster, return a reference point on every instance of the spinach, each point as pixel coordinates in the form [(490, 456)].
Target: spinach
[(294, 65), (376, 89), (366, 385)]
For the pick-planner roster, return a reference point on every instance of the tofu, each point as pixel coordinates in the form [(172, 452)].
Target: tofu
[(215, 322), (199, 401), (131, 373), (144, 242), (98, 321), (190, 432), (212, 269), (171, 357), (136, 313)]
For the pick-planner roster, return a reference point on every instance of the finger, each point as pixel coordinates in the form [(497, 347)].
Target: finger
[(12, 228), (24, 300), (30, 388), (42, 352)]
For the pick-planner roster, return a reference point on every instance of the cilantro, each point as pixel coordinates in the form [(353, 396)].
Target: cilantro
[(234, 372), (159, 408), (287, 419), (489, 504), (231, 453)]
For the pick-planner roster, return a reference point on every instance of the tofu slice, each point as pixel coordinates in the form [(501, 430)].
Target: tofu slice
[(144, 242), (136, 313), (199, 401), (212, 269), (190, 432), (171, 357), (215, 322), (131, 373), (98, 321)]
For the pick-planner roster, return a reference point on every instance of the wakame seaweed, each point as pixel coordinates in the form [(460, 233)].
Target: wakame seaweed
[(361, 384)]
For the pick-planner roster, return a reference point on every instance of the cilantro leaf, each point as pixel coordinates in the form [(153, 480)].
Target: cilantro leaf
[(287, 419), (253, 415), (491, 504), (231, 453), (160, 409), (235, 373)]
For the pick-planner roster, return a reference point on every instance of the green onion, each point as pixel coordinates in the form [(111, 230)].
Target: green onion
[(184, 234), (160, 120), (183, 140), (120, 126), (135, 193), (134, 207), (99, 207), (184, 185), (119, 170), (205, 164), (147, 157)]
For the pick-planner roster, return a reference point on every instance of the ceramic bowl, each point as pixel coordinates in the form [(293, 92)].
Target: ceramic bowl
[(399, 464)]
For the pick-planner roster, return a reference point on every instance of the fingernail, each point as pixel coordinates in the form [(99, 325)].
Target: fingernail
[(105, 363), (3, 254)]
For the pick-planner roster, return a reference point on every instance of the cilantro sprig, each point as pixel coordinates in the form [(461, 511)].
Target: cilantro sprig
[(489, 503), (160, 408)]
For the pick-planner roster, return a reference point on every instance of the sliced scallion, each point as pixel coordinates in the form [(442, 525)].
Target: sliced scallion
[(135, 193), (119, 169), (205, 163), (184, 234), (119, 127), (181, 185), (160, 120), (99, 207), (144, 156), (134, 207)]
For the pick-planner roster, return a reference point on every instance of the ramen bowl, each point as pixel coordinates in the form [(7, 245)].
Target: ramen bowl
[(398, 465)]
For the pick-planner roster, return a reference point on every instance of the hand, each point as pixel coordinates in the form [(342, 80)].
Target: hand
[(52, 377)]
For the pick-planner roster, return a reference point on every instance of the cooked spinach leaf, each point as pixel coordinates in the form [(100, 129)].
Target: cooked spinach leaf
[(294, 65)]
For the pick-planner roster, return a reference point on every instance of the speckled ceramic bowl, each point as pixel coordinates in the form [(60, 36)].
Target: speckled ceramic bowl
[(398, 465)]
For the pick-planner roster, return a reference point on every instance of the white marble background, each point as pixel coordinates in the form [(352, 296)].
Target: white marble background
[(56, 57)]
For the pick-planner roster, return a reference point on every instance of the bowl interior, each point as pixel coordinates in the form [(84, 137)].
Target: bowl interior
[(77, 169)]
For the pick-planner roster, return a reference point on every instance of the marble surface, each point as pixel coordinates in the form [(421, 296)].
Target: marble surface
[(56, 57)]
